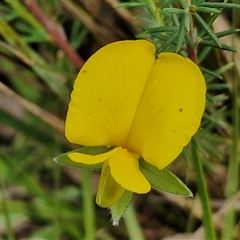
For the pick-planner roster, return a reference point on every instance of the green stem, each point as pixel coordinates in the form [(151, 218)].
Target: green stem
[(132, 224), (203, 194), (233, 168), (10, 234), (57, 208), (88, 205)]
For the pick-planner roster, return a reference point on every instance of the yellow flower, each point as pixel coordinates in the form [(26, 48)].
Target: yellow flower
[(143, 107)]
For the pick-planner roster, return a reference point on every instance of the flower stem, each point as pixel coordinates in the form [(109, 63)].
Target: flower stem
[(10, 234), (88, 205), (233, 168), (192, 53), (132, 224), (203, 194)]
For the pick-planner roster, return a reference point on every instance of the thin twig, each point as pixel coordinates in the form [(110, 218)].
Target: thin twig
[(55, 34), (124, 13), (47, 117), (100, 32), (93, 9), (192, 53)]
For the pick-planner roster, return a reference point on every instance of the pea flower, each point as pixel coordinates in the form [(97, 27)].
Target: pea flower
[(139, 107)]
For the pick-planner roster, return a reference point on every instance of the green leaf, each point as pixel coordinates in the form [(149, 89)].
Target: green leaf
[(216, 73), (65, 160), (190, 42), (207, 10), (210, 74), (181, 33), (164, 179), (132, 4), (118, 209), (209, 22), (174, 10), (227, 32), (161, 29), (217, 86), (208, 30), (184, 4), (143, 35), (159, 36), (224, 68), (187, 21), (220, 5), (168, 42), (216, 121), (212, 44), (199, 2), (223, 33)]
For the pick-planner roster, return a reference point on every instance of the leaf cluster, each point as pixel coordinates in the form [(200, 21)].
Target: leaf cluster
[(170, 24)]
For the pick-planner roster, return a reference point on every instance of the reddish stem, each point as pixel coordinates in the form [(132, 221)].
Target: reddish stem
[(52, 30), (192, 53)]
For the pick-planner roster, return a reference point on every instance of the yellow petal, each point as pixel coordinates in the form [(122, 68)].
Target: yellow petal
[(125, 170), (170, 110), (107, 92), (91, 159), (109, 191)]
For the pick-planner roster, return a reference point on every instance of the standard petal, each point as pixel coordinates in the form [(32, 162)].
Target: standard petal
[(107, 92), (170, 110), (109, 191), (125, 170), (91, 159)]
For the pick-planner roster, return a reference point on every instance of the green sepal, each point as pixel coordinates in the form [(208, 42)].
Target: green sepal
[(164, 180), (119, 208), (65, 160)]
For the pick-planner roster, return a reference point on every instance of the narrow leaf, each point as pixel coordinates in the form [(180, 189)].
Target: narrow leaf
[(208, 30), (190, 42), (181, 33), (207, 10), (168, 42), (187, 21), (199, 2), (184, 4), (174, 10), (210, 74), (220, 5), (217, 86), (132, 4), (161, 29), (223, 46)]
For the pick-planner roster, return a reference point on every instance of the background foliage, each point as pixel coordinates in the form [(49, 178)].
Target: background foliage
[(43, 44)]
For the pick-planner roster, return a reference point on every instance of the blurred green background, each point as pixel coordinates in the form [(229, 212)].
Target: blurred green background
[(43, 44)]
